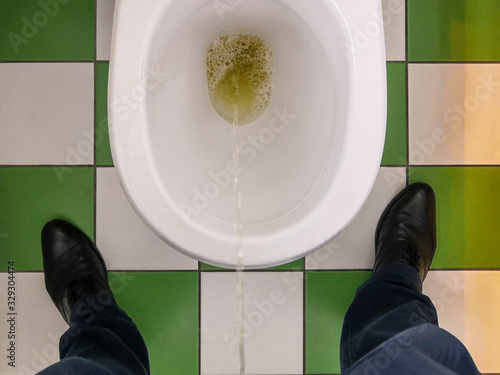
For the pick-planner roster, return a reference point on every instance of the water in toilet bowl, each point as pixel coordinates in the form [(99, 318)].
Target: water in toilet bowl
[(239, 73)]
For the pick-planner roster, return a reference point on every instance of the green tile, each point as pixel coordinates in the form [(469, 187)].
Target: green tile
[(164, 306), (30, 197), (395, 140), (103, 150), (209, 267), (460, 30), (468, 212), (295, 265), (32, 30), (328, 296)]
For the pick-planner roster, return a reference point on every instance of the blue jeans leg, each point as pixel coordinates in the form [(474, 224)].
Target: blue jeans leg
[(392, 328), (421, 350), (386, 305), (101, 340)]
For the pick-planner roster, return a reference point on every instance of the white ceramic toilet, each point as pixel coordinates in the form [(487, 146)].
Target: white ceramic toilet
[(307, 164)]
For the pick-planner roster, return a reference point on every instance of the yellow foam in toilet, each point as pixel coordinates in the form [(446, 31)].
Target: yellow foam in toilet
[(240, 72)]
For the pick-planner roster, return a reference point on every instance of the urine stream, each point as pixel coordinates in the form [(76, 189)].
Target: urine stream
[(238, 225), (239, 74)]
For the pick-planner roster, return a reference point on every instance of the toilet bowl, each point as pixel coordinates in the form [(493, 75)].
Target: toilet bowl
[(307, 165)]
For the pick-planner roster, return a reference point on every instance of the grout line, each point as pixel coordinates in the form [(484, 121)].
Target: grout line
[(493, 62), (465, 269), (431, 270), (91, 61), (407, 29), (407, 89), (95, 205), (95, 122), (199, 318), (454, 165), (95, 80), (95, 30), (304, 331), (382, 165), (254, 270), (454, 62), (45, 165), (489, 269), (288, 269), (332, 270), (155, 271), (339, 270)]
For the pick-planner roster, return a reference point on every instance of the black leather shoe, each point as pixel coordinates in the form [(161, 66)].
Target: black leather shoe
[(73, 266), (406, 232)]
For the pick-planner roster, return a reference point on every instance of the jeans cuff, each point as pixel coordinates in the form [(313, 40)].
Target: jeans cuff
[(401, 274), (87, 307)]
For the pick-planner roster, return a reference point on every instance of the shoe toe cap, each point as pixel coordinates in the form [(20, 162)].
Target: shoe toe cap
[(57, 237)]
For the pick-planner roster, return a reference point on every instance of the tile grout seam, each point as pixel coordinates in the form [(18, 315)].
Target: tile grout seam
[(407, 90), (382, 165), (95, 123), (451, 62), (304, 318), (455, 269), (199, 318)]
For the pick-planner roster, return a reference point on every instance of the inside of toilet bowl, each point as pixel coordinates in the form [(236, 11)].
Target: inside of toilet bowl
[(288, 156)]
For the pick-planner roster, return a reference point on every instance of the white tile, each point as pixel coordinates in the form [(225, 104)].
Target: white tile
[(354, 248), (453, 114), (394, 12), (38, 326), (274, 322), (104, 23), (124, 240), (46, 113), (468, 305)]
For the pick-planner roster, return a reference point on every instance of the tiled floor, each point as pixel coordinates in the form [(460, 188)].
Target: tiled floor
[(55, 161)]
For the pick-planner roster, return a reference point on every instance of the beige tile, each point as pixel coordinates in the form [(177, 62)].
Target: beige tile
[(453, 114), (124, 240), (468, 305), (104, 21), (354, 248), (394, 12), (273, 321), (46, 113), (38, 326)]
